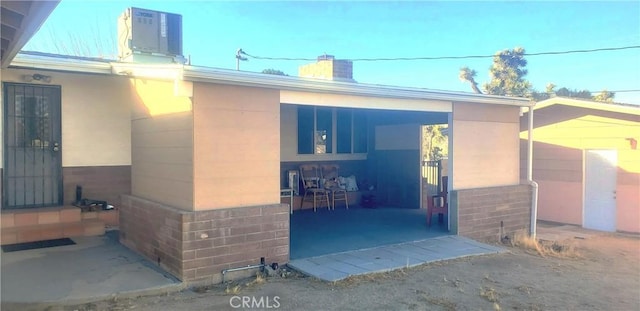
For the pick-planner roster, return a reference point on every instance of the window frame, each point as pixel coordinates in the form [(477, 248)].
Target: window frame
[(333, 135)]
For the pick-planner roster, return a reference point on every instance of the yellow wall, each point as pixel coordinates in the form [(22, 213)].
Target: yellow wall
[(485, 146), (561, 135), (96, 114), (236, 146), (162, 139)]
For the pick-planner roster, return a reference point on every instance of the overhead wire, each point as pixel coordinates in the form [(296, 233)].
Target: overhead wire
[(445, 57)]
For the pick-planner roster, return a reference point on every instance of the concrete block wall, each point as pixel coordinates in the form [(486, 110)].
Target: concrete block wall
[(486, 214), (195, 246)]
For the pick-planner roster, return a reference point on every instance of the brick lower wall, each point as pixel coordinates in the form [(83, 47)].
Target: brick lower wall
[(487, 213), (197, 246)]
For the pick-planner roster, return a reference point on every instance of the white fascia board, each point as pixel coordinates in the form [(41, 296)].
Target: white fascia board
[(203, 74), (27, 61), (155, 71)]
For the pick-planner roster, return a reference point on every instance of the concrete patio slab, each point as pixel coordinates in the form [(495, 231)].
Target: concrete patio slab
[(338, 266), (327, 232), (92, 269)]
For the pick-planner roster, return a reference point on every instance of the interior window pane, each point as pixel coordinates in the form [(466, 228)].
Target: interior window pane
[(343, 131), (305, 130), (324, 128), (359, 131)]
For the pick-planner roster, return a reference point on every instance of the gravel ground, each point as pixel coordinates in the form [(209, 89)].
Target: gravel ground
[(601, 272)]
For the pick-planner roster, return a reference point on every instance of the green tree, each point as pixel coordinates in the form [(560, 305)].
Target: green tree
[(604, 96), (274, 72), (469, 75), (434, 142), (506, 75)]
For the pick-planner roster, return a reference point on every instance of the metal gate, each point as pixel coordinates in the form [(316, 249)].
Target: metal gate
[(432, 176), (32, 158)]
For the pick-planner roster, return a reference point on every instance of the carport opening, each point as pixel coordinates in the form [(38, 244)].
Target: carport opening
[(389, 153)]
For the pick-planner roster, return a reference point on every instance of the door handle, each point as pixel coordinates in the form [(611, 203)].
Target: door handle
[(56, 147)]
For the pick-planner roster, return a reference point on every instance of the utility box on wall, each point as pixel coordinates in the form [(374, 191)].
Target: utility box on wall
[(149, 32)]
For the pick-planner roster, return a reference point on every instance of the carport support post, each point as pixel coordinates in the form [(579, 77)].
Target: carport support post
[(534, 185)]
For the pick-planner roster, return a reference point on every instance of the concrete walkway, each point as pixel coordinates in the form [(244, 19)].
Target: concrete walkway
[(93, 269), (335, 267)]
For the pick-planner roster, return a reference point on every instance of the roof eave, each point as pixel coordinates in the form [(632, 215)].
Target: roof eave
[(204, 74), (38, 13), (224, 76), (612, 107), (27, 61)]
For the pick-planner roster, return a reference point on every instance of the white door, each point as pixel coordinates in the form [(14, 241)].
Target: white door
[(600, 189)]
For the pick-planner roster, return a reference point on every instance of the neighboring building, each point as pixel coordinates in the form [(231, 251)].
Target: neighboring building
[(587, 163), (194, 158)]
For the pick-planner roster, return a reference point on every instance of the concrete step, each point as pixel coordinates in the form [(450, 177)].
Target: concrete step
[(41, 232)]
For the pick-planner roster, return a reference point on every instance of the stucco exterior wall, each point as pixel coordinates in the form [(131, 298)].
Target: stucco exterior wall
[(485, 146), (628, 191), (236, 146), (162, 144), (95, 129), (96, 113), (561, 135)]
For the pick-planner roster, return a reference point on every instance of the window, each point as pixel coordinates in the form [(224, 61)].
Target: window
[(359, 132), (305, 129), (343, 120), (324, 130), (316, 128)]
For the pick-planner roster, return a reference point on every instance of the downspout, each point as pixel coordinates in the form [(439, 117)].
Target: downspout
[(533, 184)]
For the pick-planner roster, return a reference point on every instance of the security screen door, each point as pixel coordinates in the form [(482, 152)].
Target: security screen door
[(32, 151)]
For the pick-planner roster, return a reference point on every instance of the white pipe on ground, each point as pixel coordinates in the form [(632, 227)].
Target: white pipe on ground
[(534, 199)]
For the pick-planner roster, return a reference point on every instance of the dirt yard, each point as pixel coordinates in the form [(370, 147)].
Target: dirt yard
[(601, 272)]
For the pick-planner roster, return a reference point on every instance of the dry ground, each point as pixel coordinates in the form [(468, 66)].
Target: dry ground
[(604, 276)]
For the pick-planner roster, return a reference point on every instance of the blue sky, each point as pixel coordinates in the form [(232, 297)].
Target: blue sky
[(214, 30)]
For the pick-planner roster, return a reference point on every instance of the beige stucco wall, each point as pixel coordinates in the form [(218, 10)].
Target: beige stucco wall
[(162, 144), (485, 146), (95, 115), (236, 146)]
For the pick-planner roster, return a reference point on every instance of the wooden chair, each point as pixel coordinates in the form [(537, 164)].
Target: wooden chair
[(313, 190), (437, 204), (337, 193)]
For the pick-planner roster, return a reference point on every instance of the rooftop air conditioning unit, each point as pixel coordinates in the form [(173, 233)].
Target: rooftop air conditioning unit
[(151, 32)]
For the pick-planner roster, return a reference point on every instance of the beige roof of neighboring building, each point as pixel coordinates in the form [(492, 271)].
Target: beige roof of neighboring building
[(613, 107)]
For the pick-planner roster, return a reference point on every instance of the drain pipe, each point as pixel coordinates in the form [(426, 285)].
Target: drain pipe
[(261, 266), (533, 184)]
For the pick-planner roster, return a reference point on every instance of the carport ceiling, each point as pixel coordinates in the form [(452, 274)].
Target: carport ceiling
[(20, 21)]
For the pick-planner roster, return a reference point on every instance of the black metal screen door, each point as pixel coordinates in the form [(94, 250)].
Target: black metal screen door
[(32, 158)]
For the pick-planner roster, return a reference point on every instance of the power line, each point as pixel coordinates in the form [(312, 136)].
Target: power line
[(618, 91), (445, 57)]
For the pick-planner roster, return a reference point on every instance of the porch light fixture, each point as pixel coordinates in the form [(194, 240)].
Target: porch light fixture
[(36, 77)]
